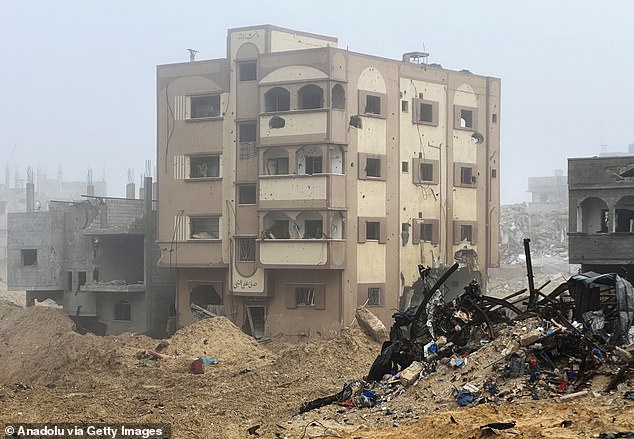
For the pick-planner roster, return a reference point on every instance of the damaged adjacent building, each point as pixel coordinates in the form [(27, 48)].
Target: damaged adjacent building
[(297, 180), (97, 258), (601, 215)]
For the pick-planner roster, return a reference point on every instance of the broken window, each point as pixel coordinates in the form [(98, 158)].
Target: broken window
[(246, 194), (310, 96), (29, 257), (246, 249), (372, 230), (204, 295), (374, 296), (304, 296), (427, 232), (277, 122), (248, 71), (404, 233), (279, 230), (373, 167), (313, 229), (466, 232), (204, 166), (372, 104), (204, 228), (426, 113), (277, 166), (404, 166), (247, 131), (81, 278), (466, 176), (123, 311), (426, 172), (466, 118), (277, 99), (404, 106), (338, 97), (313, 165), (205, 106)]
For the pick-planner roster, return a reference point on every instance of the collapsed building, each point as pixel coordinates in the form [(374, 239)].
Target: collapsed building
[(98, 259), (297, 180)]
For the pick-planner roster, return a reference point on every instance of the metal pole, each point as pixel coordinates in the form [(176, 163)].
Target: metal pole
[(532, 299)]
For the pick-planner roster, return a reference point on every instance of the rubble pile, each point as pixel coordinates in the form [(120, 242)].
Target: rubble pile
[(548, 231)]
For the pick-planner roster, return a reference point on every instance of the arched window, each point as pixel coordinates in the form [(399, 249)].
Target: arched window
[(338, 97), (277, 99), (310, 96)]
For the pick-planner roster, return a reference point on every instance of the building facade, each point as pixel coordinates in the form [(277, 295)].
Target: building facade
[(297, 181), (601, 214), (548, 194)]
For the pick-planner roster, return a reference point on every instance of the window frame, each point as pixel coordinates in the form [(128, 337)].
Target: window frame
[(253, 76), (193, 99), (417, 115), (418, 226), (30, 255), (241, 131), (458, 175), (252, 256), (127, 311), (192, 166), (378, 291), (240, 197), (267, 96), (372, 228), (458, 109), (193, 229)]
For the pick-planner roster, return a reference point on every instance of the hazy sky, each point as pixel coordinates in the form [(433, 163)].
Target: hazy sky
[(77, 78)]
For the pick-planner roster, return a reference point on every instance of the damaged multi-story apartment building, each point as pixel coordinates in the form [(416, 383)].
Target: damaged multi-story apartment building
[(97, 257), (601, 214), (298, 180)]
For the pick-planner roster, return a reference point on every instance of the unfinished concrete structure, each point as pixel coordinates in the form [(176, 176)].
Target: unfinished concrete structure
[(548, 194), (297, 180), (601, 212), (97, 258)]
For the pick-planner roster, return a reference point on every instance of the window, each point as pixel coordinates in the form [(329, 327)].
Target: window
[(122, 311), (372, 230), (204, 228), (494, 118), (466, 232), (372, 104), (277, 166), (466, 118), (404, 166), (247, 132), (313, 165), (248, 71), (310, 96), (246, 194), (373, 167), (246, 249), (426, 232), (404, 106), (466, 176), (374, 296), (313, 229), (204, 166), (81, 276), (277, 99), (279, 230), (426, 113), (426, 172), (494, 173), (304, 296), (29, 257), (338, 97), (205, 106)]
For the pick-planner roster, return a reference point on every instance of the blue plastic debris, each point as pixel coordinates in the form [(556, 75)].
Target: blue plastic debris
[(208, 360), (464, 398)]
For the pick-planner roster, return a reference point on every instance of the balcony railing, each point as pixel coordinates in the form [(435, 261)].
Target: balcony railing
[(601, 248), (307, 253)]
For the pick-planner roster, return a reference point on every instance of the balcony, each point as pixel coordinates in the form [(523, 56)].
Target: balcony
[(601, 248), (194, 254), (305, 253), (302, 191), (293, 126)]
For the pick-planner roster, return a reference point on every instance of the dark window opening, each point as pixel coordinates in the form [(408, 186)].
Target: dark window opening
[(338, 97), (404, 106), (205, 166), (372, 104), (29, 257), (313, 229), (204, 228), (404, 166), (246, 249), (310, 96), (247, 132), (426, 113), (95, 275), (277, 122), (69, 280), (426, 172), (494, 118), (605, 215), (374, 296), (279, 230), (277, 166), (466, 233), (314, 165), (373, 167), (246, 194), (81, 277), (624, 220), (466, 119), (204, 295), (304, 296), (248, 71), (494, 173), (122, 311), (205, 106), (355, 121), (466, 176), (426, 232), (372, 230), (277, 99)]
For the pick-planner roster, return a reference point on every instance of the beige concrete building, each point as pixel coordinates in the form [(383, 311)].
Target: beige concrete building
[(297, 180)]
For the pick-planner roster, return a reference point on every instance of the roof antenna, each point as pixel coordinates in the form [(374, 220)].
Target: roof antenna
[(192, 54)]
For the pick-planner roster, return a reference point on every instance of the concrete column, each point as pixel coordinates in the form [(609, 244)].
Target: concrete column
[(148, 242), (130, 191), (30, 197), (90, 190)]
